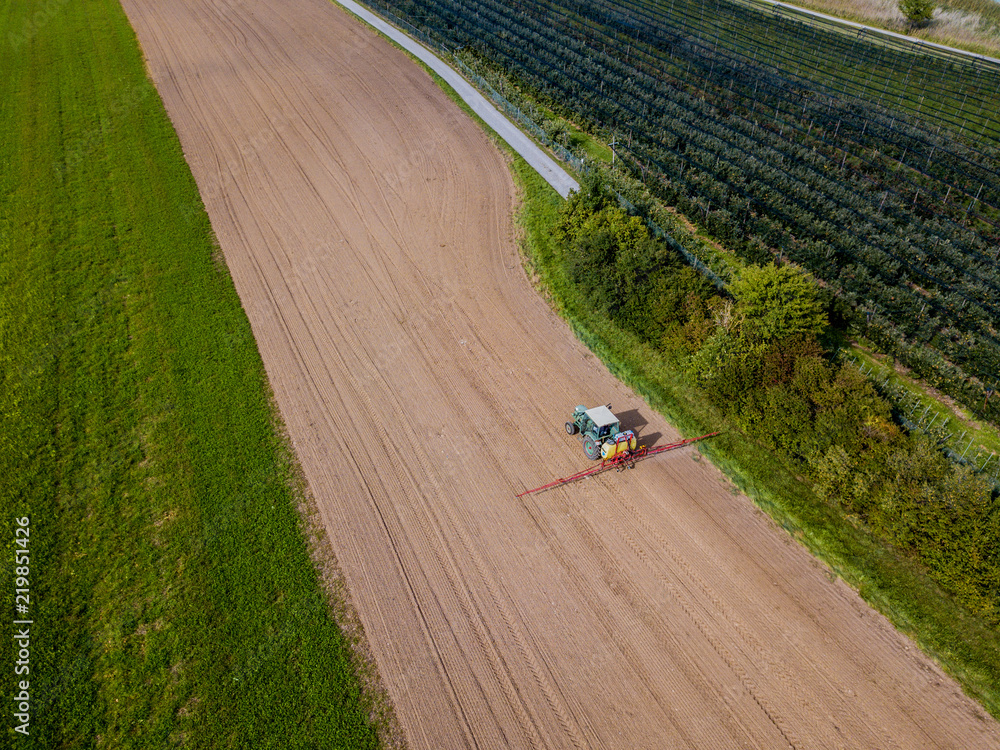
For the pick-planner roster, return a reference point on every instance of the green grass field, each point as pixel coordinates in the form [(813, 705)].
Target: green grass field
[(173, 596)]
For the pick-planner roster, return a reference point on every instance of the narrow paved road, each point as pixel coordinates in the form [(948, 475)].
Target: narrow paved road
[(544, 164)]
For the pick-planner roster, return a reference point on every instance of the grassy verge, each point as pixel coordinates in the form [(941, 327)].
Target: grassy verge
[(588, 145), (173, 596)]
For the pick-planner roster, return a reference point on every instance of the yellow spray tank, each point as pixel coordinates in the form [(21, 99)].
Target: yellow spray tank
[(618, 443)]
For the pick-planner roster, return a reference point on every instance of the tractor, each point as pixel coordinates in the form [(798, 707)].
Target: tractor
[(601, 432)]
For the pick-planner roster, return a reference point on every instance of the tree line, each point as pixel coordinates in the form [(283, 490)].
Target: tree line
[(760, 353)]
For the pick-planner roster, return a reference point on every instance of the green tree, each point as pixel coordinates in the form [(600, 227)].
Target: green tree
[(592, 197), (778, 301), (557, 130), (917, 12)]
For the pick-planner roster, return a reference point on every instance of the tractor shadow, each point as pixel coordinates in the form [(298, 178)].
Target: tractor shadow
[(633, 420)]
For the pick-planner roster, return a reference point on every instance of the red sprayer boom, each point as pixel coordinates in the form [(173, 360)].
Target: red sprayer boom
[(624, 459)]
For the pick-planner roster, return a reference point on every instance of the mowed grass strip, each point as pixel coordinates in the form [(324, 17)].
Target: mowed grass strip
[(173, 596)]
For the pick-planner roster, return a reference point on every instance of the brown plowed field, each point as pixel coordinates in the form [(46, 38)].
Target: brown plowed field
[(367, 225)]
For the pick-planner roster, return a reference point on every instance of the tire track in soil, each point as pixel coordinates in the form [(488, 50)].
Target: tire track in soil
[(366, 223), (445, 556)]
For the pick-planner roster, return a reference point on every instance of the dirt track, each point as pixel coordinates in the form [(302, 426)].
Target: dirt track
[(367, 225)]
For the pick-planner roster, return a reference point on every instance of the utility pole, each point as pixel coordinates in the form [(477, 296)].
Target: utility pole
[(614, 142)]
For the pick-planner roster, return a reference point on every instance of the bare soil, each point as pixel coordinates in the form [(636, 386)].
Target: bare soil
[(367, 224)]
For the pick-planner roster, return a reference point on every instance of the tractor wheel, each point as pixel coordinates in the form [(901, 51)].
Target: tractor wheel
[(591, 447), (570, 428)]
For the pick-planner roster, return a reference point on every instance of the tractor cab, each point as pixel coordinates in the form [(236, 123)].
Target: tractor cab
[(596, 426), (605, 423)]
